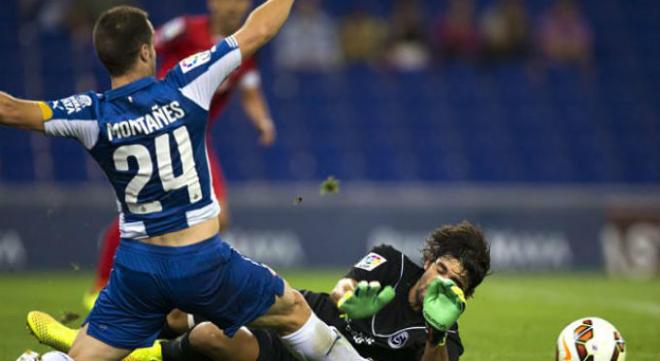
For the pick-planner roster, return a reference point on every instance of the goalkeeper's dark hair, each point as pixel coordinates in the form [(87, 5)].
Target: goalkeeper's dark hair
[(119, 34), (466, 243)]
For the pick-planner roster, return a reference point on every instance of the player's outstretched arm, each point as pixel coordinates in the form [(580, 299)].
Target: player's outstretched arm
[(23, 114), (262, 25)]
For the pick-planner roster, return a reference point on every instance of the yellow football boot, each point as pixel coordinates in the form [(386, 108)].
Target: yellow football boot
[(50, 332), (152, 353)]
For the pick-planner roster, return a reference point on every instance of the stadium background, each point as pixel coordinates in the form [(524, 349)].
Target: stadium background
[(559, 161)]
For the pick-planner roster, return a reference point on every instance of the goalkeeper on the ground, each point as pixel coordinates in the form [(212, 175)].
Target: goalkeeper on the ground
[(386, 306)]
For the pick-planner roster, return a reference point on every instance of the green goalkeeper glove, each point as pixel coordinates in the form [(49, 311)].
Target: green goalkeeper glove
[(366, 300), (444, 303)]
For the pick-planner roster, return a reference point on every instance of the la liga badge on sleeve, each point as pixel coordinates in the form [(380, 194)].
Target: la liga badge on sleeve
[(371, 261)]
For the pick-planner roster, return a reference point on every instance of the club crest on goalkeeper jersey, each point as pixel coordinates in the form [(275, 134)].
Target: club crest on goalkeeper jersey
[(149, 138)]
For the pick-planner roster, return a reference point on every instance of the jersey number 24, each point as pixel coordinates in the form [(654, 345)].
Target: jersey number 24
[(188, 178)]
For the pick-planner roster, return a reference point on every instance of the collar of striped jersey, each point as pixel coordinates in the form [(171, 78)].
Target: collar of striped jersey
[(130, 88)]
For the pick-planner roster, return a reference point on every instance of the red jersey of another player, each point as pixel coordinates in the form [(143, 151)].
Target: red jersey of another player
[(187, 35)]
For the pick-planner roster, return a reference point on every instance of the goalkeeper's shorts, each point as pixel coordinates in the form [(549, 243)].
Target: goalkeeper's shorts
[(209, 278)]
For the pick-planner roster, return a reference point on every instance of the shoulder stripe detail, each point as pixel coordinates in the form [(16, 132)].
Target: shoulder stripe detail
[(232, 42)]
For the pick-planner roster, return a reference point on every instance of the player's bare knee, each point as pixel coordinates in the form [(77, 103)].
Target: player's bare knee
[(177, 320), (74, 353), (288, 314), (80, 354), (207, 337), (297, 313)]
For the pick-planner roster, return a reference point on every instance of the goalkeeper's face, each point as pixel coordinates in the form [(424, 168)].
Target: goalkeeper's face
[(446, 267)]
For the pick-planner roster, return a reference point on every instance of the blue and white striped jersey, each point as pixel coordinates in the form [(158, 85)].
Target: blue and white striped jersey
[(149, 139)]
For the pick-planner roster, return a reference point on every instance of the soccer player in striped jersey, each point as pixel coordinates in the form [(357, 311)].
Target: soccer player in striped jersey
[(176, 40), (149, 137)]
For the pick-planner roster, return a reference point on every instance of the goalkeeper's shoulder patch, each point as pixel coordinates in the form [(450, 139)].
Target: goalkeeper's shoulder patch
[(371, 261)]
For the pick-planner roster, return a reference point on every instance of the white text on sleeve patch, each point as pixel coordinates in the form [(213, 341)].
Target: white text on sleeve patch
[(371, 261)]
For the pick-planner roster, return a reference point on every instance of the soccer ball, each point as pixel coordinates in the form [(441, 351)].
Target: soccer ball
[(55, 356), (590, 339), (28, 356), (48, 356)]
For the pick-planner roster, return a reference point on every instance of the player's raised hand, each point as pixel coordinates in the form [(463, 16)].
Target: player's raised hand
[(366, 300), (267, 134), (444, 303)]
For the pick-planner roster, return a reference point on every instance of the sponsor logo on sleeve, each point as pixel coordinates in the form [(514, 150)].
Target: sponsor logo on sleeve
[(73, 104), (371, 261), (195, 60)]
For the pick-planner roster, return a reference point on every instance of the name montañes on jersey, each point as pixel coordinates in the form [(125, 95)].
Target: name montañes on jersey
[(149, 139)]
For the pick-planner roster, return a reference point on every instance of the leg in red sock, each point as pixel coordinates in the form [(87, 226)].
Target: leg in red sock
[(104, 265), (107, 255)]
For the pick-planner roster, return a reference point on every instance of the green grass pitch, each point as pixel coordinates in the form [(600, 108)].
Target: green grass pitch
[(511, 318)]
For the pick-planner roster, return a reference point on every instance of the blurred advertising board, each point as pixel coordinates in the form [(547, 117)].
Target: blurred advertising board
[(289, 227), (338, 236), (64, 231), (66, 237), (631, 242)]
